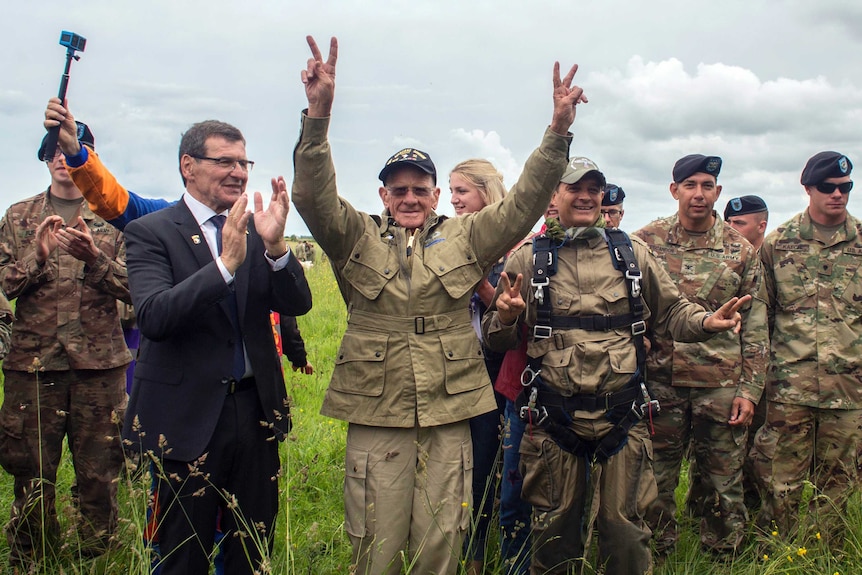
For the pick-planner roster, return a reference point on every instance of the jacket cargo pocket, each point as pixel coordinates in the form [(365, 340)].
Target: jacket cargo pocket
[(464, 362), (541, 468), (360, 366), (355, 492), (15, 456), (623, 359)]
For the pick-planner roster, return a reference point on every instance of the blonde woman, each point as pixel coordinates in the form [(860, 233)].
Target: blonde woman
[(475, 184)]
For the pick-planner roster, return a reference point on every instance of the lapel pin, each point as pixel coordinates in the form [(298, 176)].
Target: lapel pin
[(196, 239)]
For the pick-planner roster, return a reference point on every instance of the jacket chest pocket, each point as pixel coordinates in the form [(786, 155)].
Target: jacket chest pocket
[(455, 265), (371, 265), (794, 282)]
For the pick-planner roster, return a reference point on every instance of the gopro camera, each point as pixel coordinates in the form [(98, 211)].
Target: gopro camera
[(72, 41)]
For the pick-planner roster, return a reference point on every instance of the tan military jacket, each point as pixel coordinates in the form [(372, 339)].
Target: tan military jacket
[(409, 353), (66, 313), (814, 287), (586, 283), (710, 269)]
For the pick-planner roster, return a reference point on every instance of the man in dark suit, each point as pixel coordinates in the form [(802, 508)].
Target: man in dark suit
[(209, 394)]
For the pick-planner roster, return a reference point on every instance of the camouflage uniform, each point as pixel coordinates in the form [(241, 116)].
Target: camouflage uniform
[(68, 357), (814, 420), (696, 383), (557, 483), (6, 317), (410, 365)]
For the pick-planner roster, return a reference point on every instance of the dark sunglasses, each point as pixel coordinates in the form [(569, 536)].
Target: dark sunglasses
[(827, 188)]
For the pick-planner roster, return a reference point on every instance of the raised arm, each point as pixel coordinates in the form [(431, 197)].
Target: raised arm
[(319, 79)]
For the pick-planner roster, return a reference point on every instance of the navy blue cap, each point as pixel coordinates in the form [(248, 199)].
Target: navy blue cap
[(820, 167), (409, 157), (614, 195), (85, 136), (688, 166), (744, 205)]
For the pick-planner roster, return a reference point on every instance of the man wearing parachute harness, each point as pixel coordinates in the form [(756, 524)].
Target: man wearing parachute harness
[(586, 454)]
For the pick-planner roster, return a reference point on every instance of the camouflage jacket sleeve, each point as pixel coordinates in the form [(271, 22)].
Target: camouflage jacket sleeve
[(754, 334), (19, 271), (110, 275), (6, 318)]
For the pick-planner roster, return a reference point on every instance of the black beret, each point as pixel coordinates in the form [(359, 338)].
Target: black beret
[(614, 195), (744, 205), (409, 157), (694, 163), (85, 136), (825, 165)]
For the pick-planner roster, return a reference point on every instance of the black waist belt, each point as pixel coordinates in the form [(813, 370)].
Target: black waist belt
[(234, 386), (587, 402), (592, 322)]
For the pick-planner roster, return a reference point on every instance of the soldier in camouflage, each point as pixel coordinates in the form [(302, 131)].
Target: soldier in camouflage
[(708, 391), (814, 420), (66, 363)]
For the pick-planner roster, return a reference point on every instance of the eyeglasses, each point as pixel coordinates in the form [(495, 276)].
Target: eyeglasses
[(228, 163), (827, 188), (611, 213), (400, 192), (58, 153)]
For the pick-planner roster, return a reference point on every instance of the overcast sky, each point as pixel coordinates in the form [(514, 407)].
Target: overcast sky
[(764, 84)]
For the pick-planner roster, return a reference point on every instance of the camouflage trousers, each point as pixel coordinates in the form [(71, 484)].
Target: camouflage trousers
[(699, 416), (799, 442), (570, 495), (85, 405)]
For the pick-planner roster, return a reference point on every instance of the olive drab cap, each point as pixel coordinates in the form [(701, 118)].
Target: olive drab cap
[(409, 157), (577, 168), (614, 195), (692, 164), (744, 205), (820, 167), (85, 136)]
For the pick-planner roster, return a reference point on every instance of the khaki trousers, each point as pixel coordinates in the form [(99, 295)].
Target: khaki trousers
[(407, 490), (569, 496)]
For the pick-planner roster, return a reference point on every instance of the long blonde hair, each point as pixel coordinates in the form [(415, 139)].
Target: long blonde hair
[(482, 174)]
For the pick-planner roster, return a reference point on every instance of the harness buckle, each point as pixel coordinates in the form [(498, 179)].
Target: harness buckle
[(536, 416), (634, 276), (540, 285), (639, 328), (528, 376), (542, 331)]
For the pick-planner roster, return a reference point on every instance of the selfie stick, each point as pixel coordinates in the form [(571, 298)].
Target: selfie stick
[(73, 43)]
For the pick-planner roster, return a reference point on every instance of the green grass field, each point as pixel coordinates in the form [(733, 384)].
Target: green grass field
[(310, 536)]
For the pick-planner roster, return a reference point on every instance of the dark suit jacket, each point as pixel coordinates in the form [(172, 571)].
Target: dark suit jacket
[(186, 353)]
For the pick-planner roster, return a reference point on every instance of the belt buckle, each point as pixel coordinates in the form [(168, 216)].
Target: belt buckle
[(639, 327), (419, 325), (542, 331), (231, 387)]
